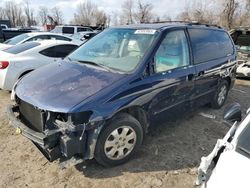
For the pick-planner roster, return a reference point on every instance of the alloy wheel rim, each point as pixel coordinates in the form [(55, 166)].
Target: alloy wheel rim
[(222, 95), (120, 143)]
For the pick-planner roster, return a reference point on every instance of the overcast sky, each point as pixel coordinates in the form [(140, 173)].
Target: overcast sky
[(68, 7)]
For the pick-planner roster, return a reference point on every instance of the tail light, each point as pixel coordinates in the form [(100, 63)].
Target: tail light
[(4, 64)]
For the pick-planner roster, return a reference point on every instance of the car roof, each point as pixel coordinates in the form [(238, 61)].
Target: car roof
[(54, 42), (73, 26), (160, 26), (31, 34)]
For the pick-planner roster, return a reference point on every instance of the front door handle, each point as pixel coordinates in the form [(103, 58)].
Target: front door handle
[(190, 77), (201, 73)]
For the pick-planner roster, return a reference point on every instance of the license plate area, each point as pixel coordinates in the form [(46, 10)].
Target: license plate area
[(31, 116)]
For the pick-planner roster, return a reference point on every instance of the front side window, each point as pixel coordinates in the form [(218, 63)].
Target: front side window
[(173, 52), (117, 48)]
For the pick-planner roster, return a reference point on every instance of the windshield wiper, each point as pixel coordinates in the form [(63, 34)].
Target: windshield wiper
[(96, 64)]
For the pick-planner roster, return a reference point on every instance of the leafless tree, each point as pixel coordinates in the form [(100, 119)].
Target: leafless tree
[(128, 12), (43, 14), (57, 15), (29, 13), (2, 13), (144, 12), (11, 12), (100, 18), (229, 12), (87, 13)]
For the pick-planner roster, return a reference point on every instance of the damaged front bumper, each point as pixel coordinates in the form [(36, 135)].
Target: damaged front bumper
[(55, 143)]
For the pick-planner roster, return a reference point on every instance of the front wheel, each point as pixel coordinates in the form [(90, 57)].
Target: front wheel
[(220, 95), (119, 140)]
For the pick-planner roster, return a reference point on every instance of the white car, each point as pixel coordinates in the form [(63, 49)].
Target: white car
[(36, 36), (229, 162), (84, 36), (243, 70), (70, 29), (20, 59)]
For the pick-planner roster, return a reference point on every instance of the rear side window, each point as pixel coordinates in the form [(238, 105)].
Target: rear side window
[(208, 45), (39, 37), (60, 38), (59, 51), (68, 30), (21, 47)]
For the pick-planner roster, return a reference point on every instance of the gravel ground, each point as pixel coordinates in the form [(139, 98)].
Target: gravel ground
[(169, 156)]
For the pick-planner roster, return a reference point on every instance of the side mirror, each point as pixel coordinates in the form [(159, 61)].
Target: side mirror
[(232, 113), (87, 36), (248, 111)]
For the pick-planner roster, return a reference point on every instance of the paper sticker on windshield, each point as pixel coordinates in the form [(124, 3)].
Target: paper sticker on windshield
[(145, 31)]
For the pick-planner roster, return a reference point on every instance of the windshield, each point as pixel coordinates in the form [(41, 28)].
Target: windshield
[(241, 40), (243, 48), (17, 39), (57, 30), (21, 47), (243, 145), (118, 49)]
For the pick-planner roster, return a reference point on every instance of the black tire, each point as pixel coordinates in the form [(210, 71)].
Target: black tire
[(216, 103), (119, 122)]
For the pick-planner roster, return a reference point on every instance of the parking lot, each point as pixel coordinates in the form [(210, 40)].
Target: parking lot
[(168, 158)]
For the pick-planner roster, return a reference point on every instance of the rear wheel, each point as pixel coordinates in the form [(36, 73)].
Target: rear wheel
[(220, 95), (119, 140)]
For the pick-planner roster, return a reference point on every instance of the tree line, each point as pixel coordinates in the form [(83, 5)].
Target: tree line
[(227, 13), (21, 14)]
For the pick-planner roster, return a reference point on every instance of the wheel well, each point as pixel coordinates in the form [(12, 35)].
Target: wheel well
[(139, 114), (228, 79), (26, 72)]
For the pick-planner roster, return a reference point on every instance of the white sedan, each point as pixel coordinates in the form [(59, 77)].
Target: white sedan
[(228, 165), (20, 59), (36, 36), (243, 70)]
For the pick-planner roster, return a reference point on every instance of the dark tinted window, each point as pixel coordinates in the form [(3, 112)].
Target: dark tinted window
[(68, 30), (59, 51), (209, 44), (243, 145), (21, 47), (80, 29), (241, 38)]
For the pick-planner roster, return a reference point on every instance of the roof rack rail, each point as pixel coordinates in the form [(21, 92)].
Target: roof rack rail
[(204, 24), (188, 23)]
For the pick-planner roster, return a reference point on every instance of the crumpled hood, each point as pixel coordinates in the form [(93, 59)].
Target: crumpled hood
[(231, 171), (61, 86)]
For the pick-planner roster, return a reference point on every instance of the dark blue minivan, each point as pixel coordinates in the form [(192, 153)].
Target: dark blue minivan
[(100, 100)]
